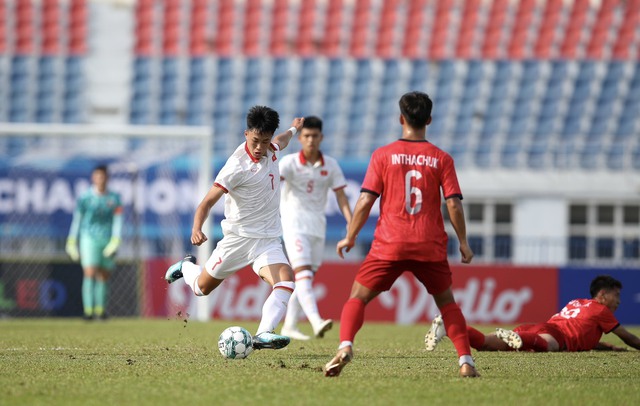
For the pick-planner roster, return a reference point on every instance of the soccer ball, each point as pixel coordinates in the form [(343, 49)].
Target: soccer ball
[(235, 342)]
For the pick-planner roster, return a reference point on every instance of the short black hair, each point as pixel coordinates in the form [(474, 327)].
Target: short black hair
[(263, 119), (603, 282), (101, 168), (416, 108), (312, 122)]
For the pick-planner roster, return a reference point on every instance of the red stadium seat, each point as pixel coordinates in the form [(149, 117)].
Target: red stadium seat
[(278, 45), (252, 29), (331, 42), (198, 29), (547, 30), (493, 30), (224, 30), (386, 29), (627, 31), (466, 35), (305, 40), (439, 41), (413, 29), (360, 29), (572, 37), (520, 30)]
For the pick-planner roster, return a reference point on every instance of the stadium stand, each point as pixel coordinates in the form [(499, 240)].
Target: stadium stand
[(516, 83)]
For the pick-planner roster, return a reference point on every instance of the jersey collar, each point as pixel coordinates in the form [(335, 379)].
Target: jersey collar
[(304, 161)]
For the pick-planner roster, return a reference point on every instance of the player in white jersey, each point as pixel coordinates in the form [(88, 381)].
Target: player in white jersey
[(308, 176), (250, 182)]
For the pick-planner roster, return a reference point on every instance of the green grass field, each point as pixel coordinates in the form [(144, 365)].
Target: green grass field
[(176, 362)]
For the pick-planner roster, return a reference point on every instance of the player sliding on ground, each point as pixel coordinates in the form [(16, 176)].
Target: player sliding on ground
[(578, 327), (250, 182), (407, 175)]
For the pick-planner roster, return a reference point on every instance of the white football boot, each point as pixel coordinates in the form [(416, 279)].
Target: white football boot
[(435, 333)]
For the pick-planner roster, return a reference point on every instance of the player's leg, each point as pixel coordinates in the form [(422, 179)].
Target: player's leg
[(90, 259), (532, 337), (298, 252), (273, 267), (290, 323), (88, 280), (101, 293), (305, 255), (103, 274), (374, 277), (437, 281)]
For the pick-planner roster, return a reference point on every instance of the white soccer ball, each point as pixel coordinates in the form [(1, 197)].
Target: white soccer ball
[(235, 342)]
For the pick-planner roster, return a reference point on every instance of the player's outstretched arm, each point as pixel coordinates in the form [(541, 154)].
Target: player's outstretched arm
[(343, 204), (602, 346), (456, 214), (202, 212), (283, 139), (360, 216), (628, 338)]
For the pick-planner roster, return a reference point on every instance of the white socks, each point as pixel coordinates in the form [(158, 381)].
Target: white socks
[(275, 306), (294, 311), (306, 297), (466, 359), (190, 273)]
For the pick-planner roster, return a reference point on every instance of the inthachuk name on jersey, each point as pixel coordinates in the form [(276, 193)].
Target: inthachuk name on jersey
[(421, 160)]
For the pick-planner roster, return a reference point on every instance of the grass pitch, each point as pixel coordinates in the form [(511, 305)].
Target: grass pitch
[(176, 362)]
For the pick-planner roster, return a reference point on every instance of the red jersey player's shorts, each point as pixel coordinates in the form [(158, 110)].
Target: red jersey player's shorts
[(543, 328), (378, 275)]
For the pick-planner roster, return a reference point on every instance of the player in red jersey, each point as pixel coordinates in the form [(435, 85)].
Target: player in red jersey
[(578, 327), (407, 175)]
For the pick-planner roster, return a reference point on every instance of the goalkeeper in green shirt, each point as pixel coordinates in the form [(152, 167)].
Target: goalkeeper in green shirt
[(97, 225)]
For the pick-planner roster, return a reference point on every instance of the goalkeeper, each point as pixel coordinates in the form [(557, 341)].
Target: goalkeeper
[(97, 225)]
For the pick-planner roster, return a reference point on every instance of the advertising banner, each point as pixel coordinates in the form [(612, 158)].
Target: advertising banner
[(492, 295), (29, 289)]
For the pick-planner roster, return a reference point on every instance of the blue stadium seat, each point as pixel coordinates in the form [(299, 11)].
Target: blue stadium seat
[(509, 155), (589, 155), (420, 72), (490, 126), (482, 155), (536, 154), (142, 67), (530, 71), (615, 156), (446, 71), (571, 125)]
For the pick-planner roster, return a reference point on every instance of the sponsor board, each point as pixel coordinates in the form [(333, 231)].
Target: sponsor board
[(492, 295), (29, 289)]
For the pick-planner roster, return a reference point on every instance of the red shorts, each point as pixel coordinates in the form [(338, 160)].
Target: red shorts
[(379, 275), (543, 328)]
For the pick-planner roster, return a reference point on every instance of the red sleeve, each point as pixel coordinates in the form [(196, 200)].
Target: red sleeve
[(606, 320), (373, 181), (450, 186)]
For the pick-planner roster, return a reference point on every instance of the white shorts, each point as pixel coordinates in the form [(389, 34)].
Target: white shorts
[(304, 250), (233, 253)]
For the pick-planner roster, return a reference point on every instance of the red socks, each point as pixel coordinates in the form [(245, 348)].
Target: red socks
[(456, 327), (351, 319), (476, 338), (533, 342)]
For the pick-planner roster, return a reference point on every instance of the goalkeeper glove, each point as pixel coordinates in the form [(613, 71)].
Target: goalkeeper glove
[(112, 247), (72, 249)]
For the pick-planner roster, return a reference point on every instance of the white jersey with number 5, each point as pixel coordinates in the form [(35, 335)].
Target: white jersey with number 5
[(304, 196), (252, 199)]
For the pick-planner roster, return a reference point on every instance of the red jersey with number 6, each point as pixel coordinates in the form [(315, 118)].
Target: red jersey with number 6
[(582, 322), (408, 176)]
